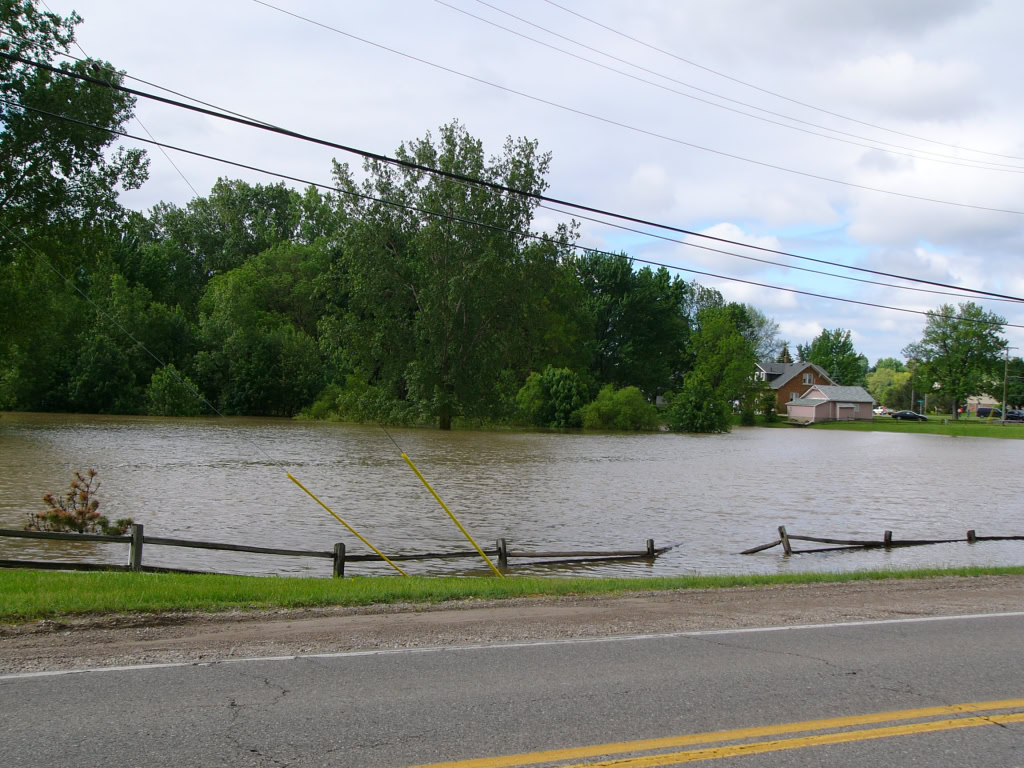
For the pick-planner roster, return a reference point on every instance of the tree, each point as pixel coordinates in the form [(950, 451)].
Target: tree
[(697, 409), (891, 363), (763, 334), (784, 356), (552, 398), (641, 323), (430, 296), (887, 385), (959, 354), (54, 170), (833, 351), (723, 356), (1014, 371)]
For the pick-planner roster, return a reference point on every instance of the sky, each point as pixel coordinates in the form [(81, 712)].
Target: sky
[(862, 107)]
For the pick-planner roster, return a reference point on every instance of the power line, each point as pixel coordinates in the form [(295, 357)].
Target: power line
[(463, 220), (460, 178), (938, 158), (637, 129), (777, 95)]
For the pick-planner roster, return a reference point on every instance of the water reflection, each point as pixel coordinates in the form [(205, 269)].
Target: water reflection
[(224, 480)]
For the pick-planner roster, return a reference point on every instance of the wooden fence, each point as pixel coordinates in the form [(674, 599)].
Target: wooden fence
[(338, 556), (886, 542)]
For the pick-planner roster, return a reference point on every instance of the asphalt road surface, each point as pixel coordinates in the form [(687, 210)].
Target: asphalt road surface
[(920, 692)]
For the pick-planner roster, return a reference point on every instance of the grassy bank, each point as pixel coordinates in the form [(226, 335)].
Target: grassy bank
[(934, 426), (28, 595)]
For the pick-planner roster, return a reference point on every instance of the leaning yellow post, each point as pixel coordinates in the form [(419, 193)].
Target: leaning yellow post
[(354, 533), (454, 519)]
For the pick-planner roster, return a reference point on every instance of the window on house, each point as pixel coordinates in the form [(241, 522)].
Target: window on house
[(808, 378), (792, 395)]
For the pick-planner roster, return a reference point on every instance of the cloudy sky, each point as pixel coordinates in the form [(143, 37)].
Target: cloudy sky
[(895, 100)]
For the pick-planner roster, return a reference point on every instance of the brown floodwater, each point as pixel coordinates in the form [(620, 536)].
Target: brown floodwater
[(225, 480)]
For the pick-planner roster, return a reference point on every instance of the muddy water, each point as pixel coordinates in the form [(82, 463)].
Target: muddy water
[(224, 480)]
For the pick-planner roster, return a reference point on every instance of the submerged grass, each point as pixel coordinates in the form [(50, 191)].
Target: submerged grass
[(28, 595)]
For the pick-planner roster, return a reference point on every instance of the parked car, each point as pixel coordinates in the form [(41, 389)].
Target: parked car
[(985, 412), (1014, 415), (881, 410), (908, 416)]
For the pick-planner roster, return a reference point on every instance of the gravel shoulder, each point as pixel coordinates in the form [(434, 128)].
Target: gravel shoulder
[(82, 643)]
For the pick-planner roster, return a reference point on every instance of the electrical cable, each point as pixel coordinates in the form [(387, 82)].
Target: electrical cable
[(637, 129), (541, 238), (374, 156), (777, 95), (939, 158)]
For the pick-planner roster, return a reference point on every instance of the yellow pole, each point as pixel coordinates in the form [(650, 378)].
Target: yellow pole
[(454, 519), (354, 533)]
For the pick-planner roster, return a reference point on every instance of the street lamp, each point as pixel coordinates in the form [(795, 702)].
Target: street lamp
[(1006, 369)]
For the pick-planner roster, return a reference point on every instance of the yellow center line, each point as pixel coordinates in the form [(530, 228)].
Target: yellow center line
[(618, 748), (779, 745)]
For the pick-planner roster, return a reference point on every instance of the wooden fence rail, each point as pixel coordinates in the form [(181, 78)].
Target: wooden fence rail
[(338, 555), (886, 542)]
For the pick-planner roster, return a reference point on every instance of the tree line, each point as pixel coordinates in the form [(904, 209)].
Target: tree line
[(397, 296)]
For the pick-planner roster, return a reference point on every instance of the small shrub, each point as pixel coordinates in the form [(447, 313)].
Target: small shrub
[(696, 409), (77, 510), (552, 398), (626, 408), (171, 393)]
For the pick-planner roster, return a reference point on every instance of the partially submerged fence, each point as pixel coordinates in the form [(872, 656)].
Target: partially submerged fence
[(887, 542), (338, 555)]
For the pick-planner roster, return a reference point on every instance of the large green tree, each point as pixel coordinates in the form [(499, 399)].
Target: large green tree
[(431, 287), (833, 351), (959, 354)]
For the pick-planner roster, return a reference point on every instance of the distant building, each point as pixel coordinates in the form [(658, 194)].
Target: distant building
[(824, 403), (791, 380)]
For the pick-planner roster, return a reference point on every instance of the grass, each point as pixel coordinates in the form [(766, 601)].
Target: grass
[(29, 595), (934, 426)]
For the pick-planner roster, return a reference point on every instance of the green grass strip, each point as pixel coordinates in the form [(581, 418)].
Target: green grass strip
[(934, 426), (27, 595)]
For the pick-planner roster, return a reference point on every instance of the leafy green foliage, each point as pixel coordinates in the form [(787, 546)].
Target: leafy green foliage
[(833, 351), (172, 394), (958, 356), (625, 409), (696, 408), (552, 398), (77, 511)]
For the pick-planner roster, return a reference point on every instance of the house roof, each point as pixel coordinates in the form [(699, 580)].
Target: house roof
[(815, 401), (847, 394), (778, 374)]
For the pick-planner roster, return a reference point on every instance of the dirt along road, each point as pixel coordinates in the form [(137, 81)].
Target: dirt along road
[(81, 643)]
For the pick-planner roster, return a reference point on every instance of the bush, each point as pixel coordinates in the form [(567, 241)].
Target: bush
[(77, 510), (171, 393), (626, 408), (696, 409), (553, 398)]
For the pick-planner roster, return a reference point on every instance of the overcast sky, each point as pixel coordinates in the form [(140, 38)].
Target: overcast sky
[(932, 87)]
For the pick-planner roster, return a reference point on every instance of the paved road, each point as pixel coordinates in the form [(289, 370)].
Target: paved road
[(665, 692)]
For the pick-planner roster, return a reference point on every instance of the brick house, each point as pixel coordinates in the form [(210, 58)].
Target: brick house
[(791, 380)]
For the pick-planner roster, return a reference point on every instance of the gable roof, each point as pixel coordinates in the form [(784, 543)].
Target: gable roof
[(846, 394), (779, 374)]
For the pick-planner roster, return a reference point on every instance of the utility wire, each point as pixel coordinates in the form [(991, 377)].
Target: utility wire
[(939, 158), (777, 95), (541, 238), (688, 244), (460, 178), (637, 129)]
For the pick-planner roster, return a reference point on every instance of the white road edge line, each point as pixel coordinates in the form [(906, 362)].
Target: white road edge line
[(529, 644)]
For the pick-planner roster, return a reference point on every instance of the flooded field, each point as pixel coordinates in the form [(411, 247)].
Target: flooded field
[(224, 480)]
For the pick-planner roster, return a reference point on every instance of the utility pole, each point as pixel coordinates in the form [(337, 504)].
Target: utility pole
[(1006, 369)]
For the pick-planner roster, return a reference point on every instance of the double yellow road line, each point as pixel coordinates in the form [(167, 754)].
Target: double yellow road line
[(840, 730)]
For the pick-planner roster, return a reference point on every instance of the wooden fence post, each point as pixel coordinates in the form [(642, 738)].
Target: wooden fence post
[(650, 547), (339, 560), (972, 537), (785, 540), (502, 553), (887, 538), (135, 551)]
